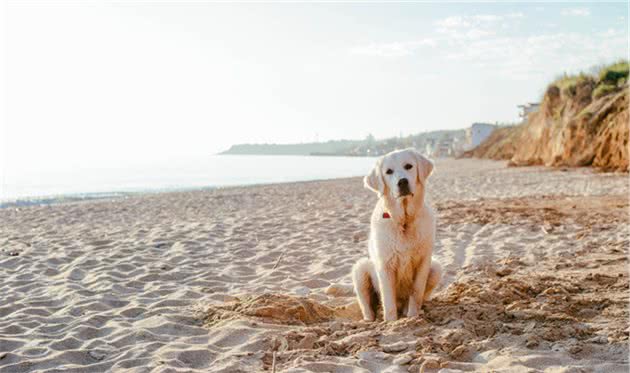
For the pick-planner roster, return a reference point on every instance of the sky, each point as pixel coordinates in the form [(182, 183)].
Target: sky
[(89, 82)]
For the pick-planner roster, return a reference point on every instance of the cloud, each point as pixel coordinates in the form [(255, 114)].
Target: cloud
[(576, 12), (530, 56), (608, 33), (475, 20), (452, 22), (450, 30), (474, 34), (480, 41), (394, 49), (474, 27)]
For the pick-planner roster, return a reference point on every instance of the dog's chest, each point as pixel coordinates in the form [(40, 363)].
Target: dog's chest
[(399, 240), (403, 253), (404, 268)]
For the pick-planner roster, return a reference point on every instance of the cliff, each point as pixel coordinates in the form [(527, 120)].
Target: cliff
[(500, 145), (582, 121)]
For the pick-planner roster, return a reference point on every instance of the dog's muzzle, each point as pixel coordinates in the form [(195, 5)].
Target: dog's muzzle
[(403, 187)]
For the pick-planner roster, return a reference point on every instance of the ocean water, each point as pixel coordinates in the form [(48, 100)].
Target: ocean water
[(50, 185)]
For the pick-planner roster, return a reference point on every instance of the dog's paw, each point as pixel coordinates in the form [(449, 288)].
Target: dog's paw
[(369, 318), (390, 316), (368, 315), (412, 310)]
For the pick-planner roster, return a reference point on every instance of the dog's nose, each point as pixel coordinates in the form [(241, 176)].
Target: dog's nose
[(403, 182)]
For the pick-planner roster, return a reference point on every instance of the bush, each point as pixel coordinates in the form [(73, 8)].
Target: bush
[(568, 84), (613, 74), (601, 81), (570, 81), (604, 89)]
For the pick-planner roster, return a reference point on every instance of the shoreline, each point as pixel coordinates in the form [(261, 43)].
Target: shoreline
[(89, 197), (56, 199)]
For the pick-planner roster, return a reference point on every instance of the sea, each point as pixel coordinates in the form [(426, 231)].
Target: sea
[(61, 184)]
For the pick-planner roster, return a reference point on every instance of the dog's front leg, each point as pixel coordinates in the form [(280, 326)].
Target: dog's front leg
[(419, 285), (388, 294)]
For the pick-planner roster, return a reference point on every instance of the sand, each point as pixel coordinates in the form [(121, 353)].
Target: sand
[(257, 278)]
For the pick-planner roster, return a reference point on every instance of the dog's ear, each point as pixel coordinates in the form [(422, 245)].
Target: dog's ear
[(374, 181), (424, 166)]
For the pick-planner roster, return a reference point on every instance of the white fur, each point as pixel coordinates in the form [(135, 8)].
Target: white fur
[(399, 267)]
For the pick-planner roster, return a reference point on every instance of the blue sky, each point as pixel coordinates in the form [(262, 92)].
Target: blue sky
[(106, 82)]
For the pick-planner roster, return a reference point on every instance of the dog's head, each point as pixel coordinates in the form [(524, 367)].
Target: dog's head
[(399, 174)]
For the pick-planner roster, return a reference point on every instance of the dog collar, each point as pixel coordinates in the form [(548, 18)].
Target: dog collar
[(386, 215)]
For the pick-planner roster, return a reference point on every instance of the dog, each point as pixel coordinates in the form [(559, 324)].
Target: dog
[(398, 272)]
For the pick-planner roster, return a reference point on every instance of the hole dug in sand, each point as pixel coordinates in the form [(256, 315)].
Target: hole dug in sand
[(280, 309), (478, 316)]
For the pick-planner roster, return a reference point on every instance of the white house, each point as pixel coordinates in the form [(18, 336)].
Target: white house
[(528, 108), (479, 132)]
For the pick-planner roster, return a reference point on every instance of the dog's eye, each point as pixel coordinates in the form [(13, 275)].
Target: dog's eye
[(389, 171), (408, 166)]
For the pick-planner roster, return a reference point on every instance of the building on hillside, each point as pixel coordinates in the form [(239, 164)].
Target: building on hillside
[(479, 132), (527, 109), (429, 147), (444, 148)]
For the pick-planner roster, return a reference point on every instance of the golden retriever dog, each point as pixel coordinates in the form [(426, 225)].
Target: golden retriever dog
[(398, 272)]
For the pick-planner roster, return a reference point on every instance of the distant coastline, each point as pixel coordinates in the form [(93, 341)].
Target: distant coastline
[(442, 143), (338, 147)]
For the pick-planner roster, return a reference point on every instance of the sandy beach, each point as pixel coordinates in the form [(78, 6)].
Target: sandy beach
[(251, 279)]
